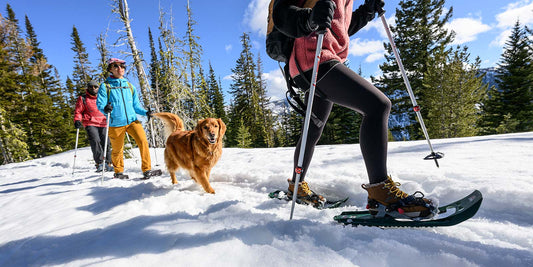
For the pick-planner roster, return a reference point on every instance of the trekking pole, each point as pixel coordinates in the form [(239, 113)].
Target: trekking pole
[(153, 140), (434, 155), (75, 150), (105, 147), (307, 120)]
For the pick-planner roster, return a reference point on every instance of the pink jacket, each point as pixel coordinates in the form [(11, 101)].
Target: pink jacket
[(87, 112), (333, 47)]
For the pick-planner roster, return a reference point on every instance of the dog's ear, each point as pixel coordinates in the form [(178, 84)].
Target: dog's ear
[(221, 129), (199, 125)]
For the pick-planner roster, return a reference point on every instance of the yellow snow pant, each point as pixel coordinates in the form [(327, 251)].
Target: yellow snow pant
[(116, 136)]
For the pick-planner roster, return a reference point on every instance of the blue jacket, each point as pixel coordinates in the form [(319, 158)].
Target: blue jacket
[(124, 100)]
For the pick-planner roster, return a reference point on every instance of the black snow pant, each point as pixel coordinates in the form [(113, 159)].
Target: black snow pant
[(97, 140), (342, 86)]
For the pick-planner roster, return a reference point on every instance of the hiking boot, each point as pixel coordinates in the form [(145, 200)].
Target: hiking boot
[(149, 173), (120, 175), (99, 167), (109, 168), (305, 195), (387, 198)]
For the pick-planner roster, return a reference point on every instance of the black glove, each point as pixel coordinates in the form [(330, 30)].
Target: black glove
[(322, 15), (375, 6), (108, 108), (149, 114), (78, 124)]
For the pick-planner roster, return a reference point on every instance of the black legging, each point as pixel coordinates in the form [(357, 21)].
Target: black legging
[(342, 86)]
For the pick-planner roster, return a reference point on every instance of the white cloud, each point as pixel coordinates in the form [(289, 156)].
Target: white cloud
[(377, 24), (256, 15), (467, 29), (521, 10), (373, 50), (228, 48), (276, 86)]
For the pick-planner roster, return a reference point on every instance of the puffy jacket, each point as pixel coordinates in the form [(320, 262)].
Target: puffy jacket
[(87, 112), (124, 100), (290, 18)]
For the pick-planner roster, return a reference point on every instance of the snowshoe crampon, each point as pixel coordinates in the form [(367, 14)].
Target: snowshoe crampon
[(451, 214)]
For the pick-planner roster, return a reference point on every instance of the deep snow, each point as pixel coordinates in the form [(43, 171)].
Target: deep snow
[(53, 217)]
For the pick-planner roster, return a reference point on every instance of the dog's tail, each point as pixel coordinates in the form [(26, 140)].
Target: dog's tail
[(172, 122)]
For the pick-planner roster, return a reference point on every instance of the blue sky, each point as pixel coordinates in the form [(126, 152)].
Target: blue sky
[(483, 26)]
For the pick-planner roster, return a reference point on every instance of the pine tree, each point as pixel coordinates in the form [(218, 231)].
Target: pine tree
[(215, 96), (509, 107), (13, 146), (173, 90), (452, 92), (248, 96), (83, 73), (418, 34)]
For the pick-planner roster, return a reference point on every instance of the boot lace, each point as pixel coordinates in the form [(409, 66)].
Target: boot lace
[(304, 189), (393, 189)]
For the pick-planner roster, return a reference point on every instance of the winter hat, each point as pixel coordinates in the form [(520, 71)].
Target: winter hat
[(92, 83), (114, 60)]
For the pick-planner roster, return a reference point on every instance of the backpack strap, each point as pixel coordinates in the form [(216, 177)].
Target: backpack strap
[(108, 89)]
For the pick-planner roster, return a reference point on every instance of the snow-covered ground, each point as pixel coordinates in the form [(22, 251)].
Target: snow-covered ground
[(50, 216)]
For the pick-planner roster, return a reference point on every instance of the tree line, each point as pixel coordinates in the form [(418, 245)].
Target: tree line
[(36, 108)]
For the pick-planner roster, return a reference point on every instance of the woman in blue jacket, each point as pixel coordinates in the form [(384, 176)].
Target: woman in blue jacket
[(118, 98)]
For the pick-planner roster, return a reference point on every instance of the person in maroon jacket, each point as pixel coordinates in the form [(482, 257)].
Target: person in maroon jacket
[(87, 115), (338, 84)]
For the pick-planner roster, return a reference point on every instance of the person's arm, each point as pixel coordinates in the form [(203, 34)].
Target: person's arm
[(78, 110), (299, 22), (363, 14), (101, 99)]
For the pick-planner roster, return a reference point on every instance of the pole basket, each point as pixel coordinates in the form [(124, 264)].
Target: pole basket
[(434, 155)]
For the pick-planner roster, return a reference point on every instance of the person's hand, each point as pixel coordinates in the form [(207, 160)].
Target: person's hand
[(322, 15), (78, 124), (108, 108), (149, 114), (375, 6)]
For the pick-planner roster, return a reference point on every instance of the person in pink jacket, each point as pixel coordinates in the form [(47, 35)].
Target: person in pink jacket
[(338, 84), (87, 115)]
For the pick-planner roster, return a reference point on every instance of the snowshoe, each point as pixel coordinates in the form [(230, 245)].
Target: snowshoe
[(149, 173), (109, 168), (305, 195), (120, 175), (328, 204), (99, 167), (386, 198), (448, 215)]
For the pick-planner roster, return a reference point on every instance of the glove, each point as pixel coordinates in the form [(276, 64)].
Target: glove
[(78, 124), (108, 108), (149, 114), (375, 6), (322, 15)]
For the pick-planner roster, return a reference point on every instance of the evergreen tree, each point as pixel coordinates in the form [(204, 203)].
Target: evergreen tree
[(509, 108), (418, 34), (172, 86), (243, 136), (83, 73), (215, 96), (452, 92), (248, 96)]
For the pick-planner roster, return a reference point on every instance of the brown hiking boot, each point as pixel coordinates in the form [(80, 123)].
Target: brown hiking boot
[(396, 202), (305, 195)]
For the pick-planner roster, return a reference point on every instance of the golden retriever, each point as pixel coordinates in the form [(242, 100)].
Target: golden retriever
[(196, 151)]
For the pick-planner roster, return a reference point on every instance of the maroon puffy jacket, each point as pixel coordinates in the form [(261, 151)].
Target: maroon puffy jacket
[(87, 113)]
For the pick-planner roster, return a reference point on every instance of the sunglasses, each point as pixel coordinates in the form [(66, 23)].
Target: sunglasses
[(118, 65), (93, 87)]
